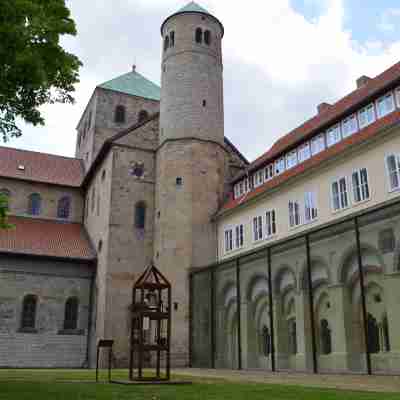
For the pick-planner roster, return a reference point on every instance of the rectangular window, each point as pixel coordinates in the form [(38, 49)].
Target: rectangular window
[(258, 178), (279, 166), (270, 223), (349, 126), (310, 202), (398, 97), (333, 135), (339, 194), (246, 185), (366, 116), (360, 185), (385, 105), (228, 240), (239, 236), (269, 172), (291, 159), (294, 213), (317, 144), (257, 228), (304, 152), (393, 168)]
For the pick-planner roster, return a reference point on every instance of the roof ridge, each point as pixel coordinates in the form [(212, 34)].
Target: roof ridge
[(39, 152)]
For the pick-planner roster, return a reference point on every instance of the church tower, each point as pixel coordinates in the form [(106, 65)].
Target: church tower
[(191, 160)]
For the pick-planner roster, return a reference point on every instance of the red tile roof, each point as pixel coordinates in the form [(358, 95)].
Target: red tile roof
[(41, 167), (329, 116), (357, 138), (46, 238)]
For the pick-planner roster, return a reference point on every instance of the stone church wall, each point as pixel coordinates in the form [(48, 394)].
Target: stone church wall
[(53, 283)]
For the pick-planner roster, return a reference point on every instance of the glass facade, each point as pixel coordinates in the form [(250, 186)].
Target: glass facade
[(325, 301)]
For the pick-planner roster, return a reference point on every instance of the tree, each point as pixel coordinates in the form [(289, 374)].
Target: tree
[(4, 211), (34, 68)]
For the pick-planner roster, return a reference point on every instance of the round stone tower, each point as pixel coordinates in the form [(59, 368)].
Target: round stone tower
[(191, 160)]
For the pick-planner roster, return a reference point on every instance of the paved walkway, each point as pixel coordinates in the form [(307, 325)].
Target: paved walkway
[(375, 383)]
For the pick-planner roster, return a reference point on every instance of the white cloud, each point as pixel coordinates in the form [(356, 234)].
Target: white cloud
[(278, 64), (389, 20)]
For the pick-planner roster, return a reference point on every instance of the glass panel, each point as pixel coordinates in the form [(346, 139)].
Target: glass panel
[(254, 308), (226, 318), (379, 234), (337, 317), (201, 320), (291, 308)]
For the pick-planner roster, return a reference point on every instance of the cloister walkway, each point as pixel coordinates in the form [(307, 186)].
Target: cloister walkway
[(374, 383)]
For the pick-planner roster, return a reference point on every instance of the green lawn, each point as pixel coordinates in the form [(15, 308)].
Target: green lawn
[(80, 385)]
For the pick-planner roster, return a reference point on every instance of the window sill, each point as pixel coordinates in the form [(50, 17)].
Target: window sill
[(358, 203), (27, 330), (72, 332), (340, 210)]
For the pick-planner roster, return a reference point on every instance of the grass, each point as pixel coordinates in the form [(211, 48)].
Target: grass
[(80, 385)]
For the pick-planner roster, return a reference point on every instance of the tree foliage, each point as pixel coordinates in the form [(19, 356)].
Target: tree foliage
[(34, 68), (3, 212)]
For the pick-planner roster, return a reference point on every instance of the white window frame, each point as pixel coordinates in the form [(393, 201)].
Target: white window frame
[(383, 98), (397, 95), (337, 135), (258, 228), (258, 178), (239, 236), (278, 164), (291, 159), (352, 129), (310, 207), (270, 223), (396, 171), (304, 152), (368, 120), (228, 240), (316, 143), (340, 194), (294, 214), (360, 188), (269, 172)]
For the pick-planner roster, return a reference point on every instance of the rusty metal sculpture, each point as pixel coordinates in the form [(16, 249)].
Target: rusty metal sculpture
[(150, 327)]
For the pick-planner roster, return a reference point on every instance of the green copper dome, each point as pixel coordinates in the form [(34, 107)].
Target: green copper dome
[(193, 7), (134, 84)]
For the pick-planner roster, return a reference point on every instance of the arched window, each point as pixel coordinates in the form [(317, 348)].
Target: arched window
[(172, 39), (119, 116), (143, 115), (6, 194), (326, 337), (34, 204), (373, 334), (166, 43), (266, 341), (385, 329), (64, 207), (140, 215), (207, 37), (71, 313), (292, 336), (28, 318), (199, 35)]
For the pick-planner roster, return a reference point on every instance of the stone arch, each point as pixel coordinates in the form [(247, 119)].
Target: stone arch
[(223, 294), (254, 281), (319, 271), (350, 255), (285, 272)]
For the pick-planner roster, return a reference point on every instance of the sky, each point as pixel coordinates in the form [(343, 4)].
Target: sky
[(281, 59)]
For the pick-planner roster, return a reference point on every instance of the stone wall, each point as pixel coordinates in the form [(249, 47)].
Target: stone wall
[(53, 282), (51, 194)]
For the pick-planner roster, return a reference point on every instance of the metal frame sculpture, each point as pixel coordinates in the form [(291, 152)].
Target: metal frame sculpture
[(150, 325)]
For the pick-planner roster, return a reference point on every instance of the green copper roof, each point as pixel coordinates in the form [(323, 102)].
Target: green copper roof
[(193, 7), (134, 84)]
